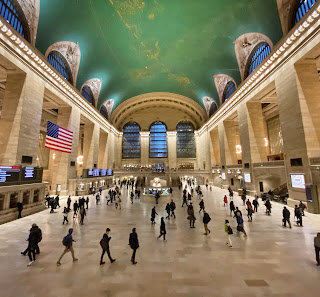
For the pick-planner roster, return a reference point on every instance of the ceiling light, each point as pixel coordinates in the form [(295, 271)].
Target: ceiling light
[(9, 33), (4, 28), (13, 37)]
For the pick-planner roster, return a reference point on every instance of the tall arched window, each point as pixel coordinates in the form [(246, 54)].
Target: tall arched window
[(131, 141), (186, 146), (158, 141), (303, 6), (87, 93), (10, 10), (60, 64), (213, 108), (228, 91), (103, 111), (260, 52)]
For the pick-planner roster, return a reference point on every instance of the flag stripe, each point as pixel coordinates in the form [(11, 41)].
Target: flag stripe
[(56, 149), (58, 138), (58, 144), (66, 131)]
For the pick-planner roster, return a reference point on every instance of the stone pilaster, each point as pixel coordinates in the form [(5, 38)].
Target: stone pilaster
[(230, 142), (145, 141), (90, 145), (103, 151), (172, 149)]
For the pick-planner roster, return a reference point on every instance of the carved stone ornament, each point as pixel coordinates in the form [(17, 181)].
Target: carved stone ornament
[(243, 47), (207, 102), (285, 8), (221, 81), (108, 104), (71, 52), (31, 10), (95, 86)]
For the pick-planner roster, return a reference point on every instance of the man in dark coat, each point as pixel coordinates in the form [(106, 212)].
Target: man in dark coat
[(35, 237), (20, 208), (104, 242), (134, 244), (172, 207), (206, 220), (286, 217)]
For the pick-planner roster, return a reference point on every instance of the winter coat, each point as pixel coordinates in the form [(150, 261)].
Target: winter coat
[(206, 218), (133, 241)]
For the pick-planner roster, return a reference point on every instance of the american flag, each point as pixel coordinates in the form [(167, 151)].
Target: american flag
[(58, 139)]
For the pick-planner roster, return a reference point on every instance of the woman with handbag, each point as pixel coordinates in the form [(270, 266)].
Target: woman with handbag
[(229, 232)]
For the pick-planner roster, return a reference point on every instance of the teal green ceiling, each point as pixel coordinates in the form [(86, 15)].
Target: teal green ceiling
[(138, 46)]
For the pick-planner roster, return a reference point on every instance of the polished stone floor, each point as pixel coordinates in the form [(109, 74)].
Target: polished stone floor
[(272, 261)]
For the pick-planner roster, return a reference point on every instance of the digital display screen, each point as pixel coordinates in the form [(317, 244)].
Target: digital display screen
[(90, 172), (247, 177), (297, 181), (96, 172), (223, 175), (28, 172), (9, 174), (103, 172), (110, 172)]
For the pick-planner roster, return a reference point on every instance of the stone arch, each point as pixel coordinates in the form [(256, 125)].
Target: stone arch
[(286, 9), (108, 105), (208, 104), (31, 10), (95, 86), (71, 52), (244, 45), (221, 81)]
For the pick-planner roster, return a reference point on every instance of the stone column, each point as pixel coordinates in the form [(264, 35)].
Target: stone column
[(90, 145), (103, 151), (145, 141), (60, 163), (203, 151), (172, 149), (230, 142), (215, 148), (118, 151), (20, 118)]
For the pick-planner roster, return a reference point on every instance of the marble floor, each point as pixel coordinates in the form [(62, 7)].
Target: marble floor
[(272, 261)]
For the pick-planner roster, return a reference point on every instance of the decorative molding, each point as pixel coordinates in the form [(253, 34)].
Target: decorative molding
[(71, 52), (171, 133), (144, 134), (95, 86), (207, 102), (108, 104), (243, 47), (221, 81), (285, 8), (31, 10)]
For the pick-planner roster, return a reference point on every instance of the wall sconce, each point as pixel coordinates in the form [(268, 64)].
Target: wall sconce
[(266, 142), (238, 149), (53, 156), (80, 160)]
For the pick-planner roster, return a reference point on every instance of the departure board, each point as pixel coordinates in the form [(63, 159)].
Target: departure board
[(9, 174)]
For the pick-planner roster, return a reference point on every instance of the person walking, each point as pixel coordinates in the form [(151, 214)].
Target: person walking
[(229, 232), (286, 217), (172, 208), (206, 220), (185, 202), (65, 215), (201, 204), (240, 227), (104, 243), (87, 202), (168, 211), (35, 238), (255, 204), (153, 215), (268, 207), (75, 209), (157, 196), (298, 214), (191, 216), (97, 198), (57, 199), (69, 203), (248, 203), (20, 208), (163, 231), (317, 248), (243, 197), (134, 244), (225, 200), (131, 197), (231, 206), (302, 208), (236, 212), (82, 214), (67, 242), (250, 212)]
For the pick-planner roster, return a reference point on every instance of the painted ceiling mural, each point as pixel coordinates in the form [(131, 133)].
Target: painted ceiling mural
[(138, 46)]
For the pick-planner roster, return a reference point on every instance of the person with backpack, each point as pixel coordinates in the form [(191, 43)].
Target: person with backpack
[(104, 242), (201, 204), (168, 211), (206, 220), (36, 236), (153, 215), (255, 204), (134, 244), (163, 231), (65, 215), (286, 217), (82, 214), (67, 242), (33, 240), (229, 232), (172, 208), (240, 227)]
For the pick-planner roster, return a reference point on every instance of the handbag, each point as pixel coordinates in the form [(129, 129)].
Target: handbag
[(230, 230)]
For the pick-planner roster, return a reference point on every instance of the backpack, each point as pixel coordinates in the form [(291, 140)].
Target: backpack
[(67, 241), (230, 230)]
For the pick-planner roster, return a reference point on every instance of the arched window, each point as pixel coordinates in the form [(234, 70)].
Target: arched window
[(260, 52), (10, 10), (87, 93), (60, 64), (131, 141), (186, 146), (103, 111), (158, 141), (213, 109), (228, 91), (303, 6)]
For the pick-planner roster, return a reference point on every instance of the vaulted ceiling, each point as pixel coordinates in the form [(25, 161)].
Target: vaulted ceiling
[(138, 46)]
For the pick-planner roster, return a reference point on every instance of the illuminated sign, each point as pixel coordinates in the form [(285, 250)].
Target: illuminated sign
[(29, 172), (223, 175), (247, 177), (297, 181), (9, 174)]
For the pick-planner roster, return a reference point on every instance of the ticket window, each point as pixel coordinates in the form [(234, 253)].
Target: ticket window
[(26, 197), (36, 196), (13, 200)]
